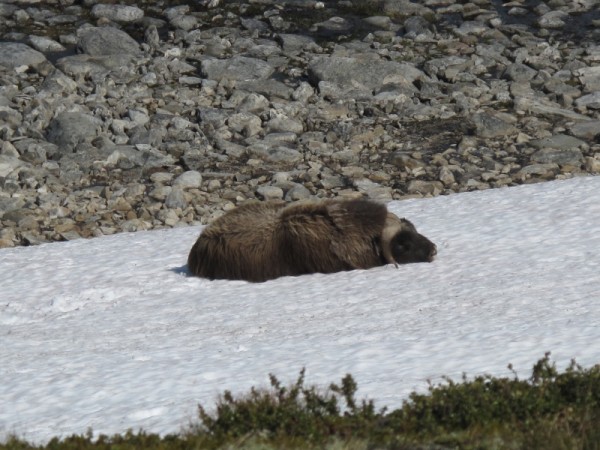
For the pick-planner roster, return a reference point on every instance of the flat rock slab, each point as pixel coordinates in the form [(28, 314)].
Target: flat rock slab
[(119, 66), (558, 141), (118, 13), (238, 68), (586, 130)]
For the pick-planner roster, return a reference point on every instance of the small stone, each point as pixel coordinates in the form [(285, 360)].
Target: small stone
[(283, 124), (446, 176), (297, 192), (553, 19), (190, 179), (160, 193), (6, 243), (238, 68), (405, 161), (213, 185), (490, 124), (270, 192), (373, 190), (45, 44), (118, 13), (246, 123), (176, 199), (119, 204), (425, 187), (278, 155), (70, 235), (168, 217), (592, 164), (542, 170), (519, 72)]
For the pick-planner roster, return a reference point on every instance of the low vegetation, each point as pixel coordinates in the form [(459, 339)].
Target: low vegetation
[(550, 410)]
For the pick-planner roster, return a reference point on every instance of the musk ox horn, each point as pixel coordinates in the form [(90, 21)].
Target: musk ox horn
[(259, 241)]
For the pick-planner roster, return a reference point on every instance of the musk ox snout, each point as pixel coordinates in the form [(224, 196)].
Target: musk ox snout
[(259, 241)]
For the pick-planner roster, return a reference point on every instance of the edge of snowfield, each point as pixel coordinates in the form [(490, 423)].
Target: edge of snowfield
[(111, 333)]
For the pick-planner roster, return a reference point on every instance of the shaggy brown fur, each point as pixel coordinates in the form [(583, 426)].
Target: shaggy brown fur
[(259, 241)]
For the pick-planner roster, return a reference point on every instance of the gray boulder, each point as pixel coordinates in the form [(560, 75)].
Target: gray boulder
[(15, 54), (69, 129), (102, 41), (489, 125)]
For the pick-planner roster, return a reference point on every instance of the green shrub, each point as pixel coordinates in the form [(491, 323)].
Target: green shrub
[(296, 411), (550, 410), (487, 400)]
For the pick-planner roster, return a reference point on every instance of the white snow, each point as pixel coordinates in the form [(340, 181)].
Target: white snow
[(111, 333)]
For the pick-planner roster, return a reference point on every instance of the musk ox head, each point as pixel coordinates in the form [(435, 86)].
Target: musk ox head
[(402, 244)]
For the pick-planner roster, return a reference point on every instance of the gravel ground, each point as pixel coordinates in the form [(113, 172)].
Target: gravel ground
[(144, 115)]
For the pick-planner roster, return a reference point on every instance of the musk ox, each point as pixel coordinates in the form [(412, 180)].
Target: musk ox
[(259, 241)]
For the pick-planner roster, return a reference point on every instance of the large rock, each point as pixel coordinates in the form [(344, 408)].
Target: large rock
[(490, 125), (558, 149), (96, 41), (9, 164), (519, 72), (405, 8), (294, 42), (69, 129), (553, 19), (120, 67), (591, 101), (15, 54), (278, 155), (588, 130), (590, 78), (365, 74)]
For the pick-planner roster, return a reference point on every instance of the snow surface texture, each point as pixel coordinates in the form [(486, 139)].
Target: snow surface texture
[(111, 333)]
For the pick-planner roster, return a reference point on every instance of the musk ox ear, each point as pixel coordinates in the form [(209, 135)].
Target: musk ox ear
[(401, 243)]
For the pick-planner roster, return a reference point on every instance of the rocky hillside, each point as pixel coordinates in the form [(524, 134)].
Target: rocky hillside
[(148, 114)]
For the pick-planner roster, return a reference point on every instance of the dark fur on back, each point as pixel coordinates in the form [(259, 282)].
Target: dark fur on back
[(259, 241)]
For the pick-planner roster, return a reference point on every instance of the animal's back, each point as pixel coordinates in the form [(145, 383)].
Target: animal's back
[(239, 245), (331, 236)]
